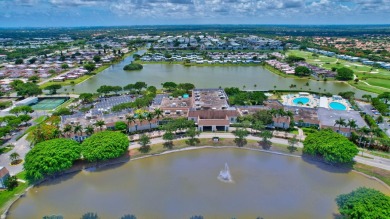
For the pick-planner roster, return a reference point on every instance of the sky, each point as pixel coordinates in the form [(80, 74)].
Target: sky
[(74, 13)]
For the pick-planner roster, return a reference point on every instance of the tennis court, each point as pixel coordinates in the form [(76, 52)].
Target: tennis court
[(48, 104)]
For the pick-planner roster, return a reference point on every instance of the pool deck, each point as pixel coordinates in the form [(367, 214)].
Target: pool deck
[(315, 101)]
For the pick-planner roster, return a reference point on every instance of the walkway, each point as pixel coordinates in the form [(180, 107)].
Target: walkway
[(22, 147)]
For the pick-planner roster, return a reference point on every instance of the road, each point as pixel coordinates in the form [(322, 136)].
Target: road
[(22, 147)]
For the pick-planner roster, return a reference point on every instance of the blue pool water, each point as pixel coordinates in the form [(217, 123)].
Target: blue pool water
[(185, 96), (337, 106), (302, 100)]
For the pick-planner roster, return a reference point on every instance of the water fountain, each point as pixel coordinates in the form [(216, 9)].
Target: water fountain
[(224, 174)]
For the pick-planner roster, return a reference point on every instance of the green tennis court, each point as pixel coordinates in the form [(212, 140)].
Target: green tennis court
[(48, 104)]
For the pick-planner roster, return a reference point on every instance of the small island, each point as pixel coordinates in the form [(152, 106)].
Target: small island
[(133, 66)]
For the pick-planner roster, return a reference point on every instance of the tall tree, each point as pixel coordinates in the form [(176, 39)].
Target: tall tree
[(240, 135), (100, 124), (340, 122)]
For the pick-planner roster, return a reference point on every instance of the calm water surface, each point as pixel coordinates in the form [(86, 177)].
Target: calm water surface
[(183, 184), (205, 77)]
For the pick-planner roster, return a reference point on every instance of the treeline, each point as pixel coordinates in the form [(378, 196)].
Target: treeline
[(239, 97)]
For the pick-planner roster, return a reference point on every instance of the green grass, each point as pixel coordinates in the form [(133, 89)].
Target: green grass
[(40, 119), (378, 82), (362, 86), (8, 196), (381, 174), (180, 144), (378, 153), (380, 78)]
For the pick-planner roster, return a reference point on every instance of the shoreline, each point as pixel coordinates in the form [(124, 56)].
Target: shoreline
[(120, 160)]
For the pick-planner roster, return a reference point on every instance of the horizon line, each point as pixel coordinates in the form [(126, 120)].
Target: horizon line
[(146, 25)]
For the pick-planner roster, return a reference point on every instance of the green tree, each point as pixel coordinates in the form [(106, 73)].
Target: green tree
[(34, 78), (64, 66), (169, 86), (302, 71), (150, 116), (14, 157), (78, 129), (168, 138), (130, 119), (240, 135), (86, 97), (120, 126), (129, 87), (97, 59), (340, 122), (292, 142), (364, 203), (144, 141), (19, 61), (265, 136), (21, 109), (50, 157), (351, 124), (53, 88), (100, 124), (104, 145), (32, 60), (90, 66), (89, 130), (11, 183), (344, 74), (385, 96), (133, 67), (139, 85), (192, 132), (187, 87), (333, 147), (367, 97)]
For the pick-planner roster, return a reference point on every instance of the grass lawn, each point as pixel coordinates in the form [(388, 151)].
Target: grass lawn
[(381, 174), (180, 144), (377, 77), (40, 119), (363, 86), (378, 82), (8, 196)]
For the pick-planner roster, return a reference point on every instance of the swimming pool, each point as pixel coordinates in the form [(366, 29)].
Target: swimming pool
[(301, 100), (337, 106)]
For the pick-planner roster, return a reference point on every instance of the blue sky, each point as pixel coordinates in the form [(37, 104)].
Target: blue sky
[(56, 13)]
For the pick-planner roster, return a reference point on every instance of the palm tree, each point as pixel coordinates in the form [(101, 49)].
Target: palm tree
[(158, 113), (130, 119), (340, 122), (100, 124), (150, 117), (141, 118), (89, 130), (78, 128), (67, 129), (363, 131), (351, 124)]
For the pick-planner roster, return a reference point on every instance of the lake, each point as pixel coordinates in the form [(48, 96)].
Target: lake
[(206, 77), (183, 184)]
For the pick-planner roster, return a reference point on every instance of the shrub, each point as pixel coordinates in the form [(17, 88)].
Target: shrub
[(333, 147), (133, 66), (104, 145), (50, 157)]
